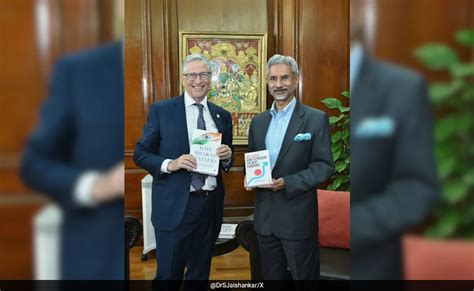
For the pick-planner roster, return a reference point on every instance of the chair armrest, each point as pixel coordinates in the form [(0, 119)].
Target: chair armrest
[(241, 233)]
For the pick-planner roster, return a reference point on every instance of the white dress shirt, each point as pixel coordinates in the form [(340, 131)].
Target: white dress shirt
[(192, 113)]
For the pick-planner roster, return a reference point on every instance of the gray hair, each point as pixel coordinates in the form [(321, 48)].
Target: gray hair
[(196, 57), (287, 60)]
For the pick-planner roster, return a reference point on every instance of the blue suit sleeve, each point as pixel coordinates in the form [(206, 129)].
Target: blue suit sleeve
[(321, 166), (146, 152), (45, 165)]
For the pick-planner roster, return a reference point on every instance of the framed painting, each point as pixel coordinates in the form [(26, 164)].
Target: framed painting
[(238, 77)]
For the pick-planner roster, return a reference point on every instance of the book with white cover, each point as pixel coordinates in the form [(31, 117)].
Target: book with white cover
[(228, 230), (204, 149), (257, 168)]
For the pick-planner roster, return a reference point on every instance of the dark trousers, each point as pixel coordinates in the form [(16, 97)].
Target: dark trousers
[(190, 244), (284, 259)]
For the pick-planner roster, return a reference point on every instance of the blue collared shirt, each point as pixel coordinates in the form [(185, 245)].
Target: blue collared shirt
[(277, 129), (357, 54)]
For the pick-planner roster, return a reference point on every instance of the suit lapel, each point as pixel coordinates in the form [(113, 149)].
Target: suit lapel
[(216, 117), (364, 95), (179, 116), (294, 126), (260, 142)]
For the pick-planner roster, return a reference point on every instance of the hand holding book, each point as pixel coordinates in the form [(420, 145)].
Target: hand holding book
[(276, 185), (224, 152), (186, 162)]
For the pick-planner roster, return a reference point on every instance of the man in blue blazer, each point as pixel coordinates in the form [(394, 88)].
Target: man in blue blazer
[(187, 207), (75, 156)]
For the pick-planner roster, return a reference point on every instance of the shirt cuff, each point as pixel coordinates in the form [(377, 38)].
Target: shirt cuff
[(164, 166), (83, 189)]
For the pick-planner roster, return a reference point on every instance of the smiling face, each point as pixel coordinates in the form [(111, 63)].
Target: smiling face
[(281, 82), (199, 87)]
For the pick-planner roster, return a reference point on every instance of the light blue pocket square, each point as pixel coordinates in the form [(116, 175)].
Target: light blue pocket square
[(383, 126), (302, 136)]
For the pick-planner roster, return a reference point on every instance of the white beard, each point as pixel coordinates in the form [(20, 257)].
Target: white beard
[(280, 97)]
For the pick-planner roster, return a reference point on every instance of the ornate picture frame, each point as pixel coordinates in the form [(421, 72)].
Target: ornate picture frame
[(238, 77)]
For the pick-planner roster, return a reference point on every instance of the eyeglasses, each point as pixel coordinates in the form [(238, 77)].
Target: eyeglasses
[(274, 79), (192, 76)]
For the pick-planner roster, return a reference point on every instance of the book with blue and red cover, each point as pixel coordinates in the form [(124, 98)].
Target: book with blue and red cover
[(257, 168)]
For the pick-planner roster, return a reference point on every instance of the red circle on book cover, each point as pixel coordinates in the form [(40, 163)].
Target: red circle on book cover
[(258, 172)]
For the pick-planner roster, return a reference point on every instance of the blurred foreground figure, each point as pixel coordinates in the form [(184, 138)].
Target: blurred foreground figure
[(75, 156), (393, 173)]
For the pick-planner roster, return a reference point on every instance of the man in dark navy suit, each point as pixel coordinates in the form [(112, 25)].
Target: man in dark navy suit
[(75, 156), (187, 207)]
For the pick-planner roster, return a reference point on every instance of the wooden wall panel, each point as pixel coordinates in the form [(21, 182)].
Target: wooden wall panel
[(164, 44), (135, 98), (16, 249), (245, 16), (23, 64), (288, 18), (35, 30), (403, 25), (11, 182), (133, 184), (323, 50), (80, 23), (316, 34)]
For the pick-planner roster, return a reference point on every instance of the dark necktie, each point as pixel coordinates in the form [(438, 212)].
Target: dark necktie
[(198, 180)]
